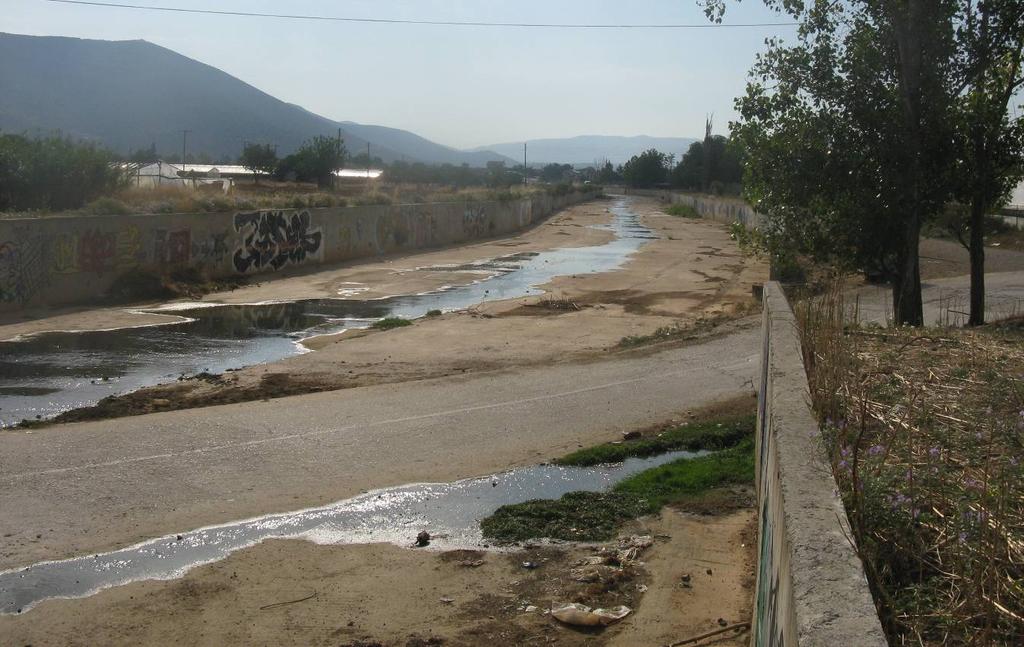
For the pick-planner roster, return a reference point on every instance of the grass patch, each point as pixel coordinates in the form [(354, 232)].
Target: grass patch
[(596, 516), (682, 211), (434, 313), (390, 322), (708, 435)]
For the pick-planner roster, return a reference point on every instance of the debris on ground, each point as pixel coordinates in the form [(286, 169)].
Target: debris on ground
[(580, 615), (423, 539)]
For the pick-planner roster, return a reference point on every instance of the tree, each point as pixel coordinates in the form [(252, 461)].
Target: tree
[(260, 159), (54, 173), (316, 161), (849, 134), (723, 158), (553, 173), (991, 35), (608, 175), (646, 170)]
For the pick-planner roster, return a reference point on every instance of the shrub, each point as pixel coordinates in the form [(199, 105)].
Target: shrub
[(390, 322), (105, 206), (54, 173), (682, 210)]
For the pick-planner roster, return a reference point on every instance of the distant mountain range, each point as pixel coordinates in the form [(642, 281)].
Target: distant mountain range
[(130, 94), (585, 150)]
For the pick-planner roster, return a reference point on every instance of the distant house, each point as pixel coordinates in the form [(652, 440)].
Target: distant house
[(357, 176)]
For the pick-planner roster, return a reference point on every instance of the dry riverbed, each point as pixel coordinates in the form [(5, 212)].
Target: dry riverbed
[(691, 275)]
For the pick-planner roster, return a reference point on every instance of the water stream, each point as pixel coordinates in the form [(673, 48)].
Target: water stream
[(47, 374), (451, 512)]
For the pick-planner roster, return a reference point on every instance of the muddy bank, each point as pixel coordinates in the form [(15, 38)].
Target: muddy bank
[(293, 592)]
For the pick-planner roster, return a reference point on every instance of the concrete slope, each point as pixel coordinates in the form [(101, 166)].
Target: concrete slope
[(86, 487)]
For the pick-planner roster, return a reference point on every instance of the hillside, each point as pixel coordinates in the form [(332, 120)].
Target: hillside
[(129, 94), (587, 149)]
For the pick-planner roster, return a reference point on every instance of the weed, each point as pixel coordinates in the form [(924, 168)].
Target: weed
[(710, 435), (595, 516), (924, 430), (107, 205), (682, 211), (390, 322), (434, 313)]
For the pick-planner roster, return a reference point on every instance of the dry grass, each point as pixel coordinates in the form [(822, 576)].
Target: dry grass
[(926, 432)]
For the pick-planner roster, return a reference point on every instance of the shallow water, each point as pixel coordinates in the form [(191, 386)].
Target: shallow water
[(451, 512), (45, 375)]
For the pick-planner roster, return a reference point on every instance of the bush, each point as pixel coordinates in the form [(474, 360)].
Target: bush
[(54, 173), (390, 322), (682, 210), (108, 206)]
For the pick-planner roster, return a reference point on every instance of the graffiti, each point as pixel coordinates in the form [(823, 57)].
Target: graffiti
[(172, 247), (128, 252), (22, 270), (275, 239), (96, 251), (474, 222), (212, 250), (385, 231), (345, 239), (65, 254)]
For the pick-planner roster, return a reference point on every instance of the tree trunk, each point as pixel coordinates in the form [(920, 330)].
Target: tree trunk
[(906, 289), (977, 249)]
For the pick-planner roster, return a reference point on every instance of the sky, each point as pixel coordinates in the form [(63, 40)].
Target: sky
[(460, 86)]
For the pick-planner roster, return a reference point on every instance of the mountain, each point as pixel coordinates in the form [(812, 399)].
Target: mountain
[(129, 94), (585, 150)]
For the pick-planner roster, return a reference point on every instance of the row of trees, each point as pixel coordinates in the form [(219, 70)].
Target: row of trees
[(881, 115), (714, 165), (53, 173), (315, 161)]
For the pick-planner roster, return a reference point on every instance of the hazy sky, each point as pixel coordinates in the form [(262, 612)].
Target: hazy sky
[(460, 86)]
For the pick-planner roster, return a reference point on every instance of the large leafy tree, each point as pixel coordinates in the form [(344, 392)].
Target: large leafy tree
[(259, 158), (849, 134), (991, 39), (648, 169), (316, 161), (709, 165)]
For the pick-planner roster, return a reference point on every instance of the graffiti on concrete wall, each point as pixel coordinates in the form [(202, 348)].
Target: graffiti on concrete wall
[(97, 251), (172, 247), (475, 223), (213, 249), (274, 239), (23, 269)]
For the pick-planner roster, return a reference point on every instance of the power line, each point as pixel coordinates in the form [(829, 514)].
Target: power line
[(442, 23)]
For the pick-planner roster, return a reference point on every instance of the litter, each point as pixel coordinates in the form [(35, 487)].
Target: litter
[(583, 616)]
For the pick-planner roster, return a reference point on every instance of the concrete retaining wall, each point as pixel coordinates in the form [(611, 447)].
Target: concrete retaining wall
[(811, 588), (76, 259), (721, 209)]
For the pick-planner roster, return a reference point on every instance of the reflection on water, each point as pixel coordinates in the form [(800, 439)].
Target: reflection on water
[(451, 512), (47, 374)]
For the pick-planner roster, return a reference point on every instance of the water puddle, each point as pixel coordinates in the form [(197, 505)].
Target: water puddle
[(451, 512), (45, 375)]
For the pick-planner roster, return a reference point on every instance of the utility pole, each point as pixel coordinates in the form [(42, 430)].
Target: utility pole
[(525, 174), (184, 142), (367, 166)]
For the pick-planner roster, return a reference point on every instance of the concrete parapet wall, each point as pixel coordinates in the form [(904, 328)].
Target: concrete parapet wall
[(811, 587), (720, 209), (76, 259)]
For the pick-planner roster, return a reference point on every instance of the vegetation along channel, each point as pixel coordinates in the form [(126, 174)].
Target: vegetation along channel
[(47, 374)]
